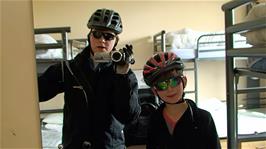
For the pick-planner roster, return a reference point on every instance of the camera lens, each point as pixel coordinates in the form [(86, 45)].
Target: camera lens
[(117, 56)]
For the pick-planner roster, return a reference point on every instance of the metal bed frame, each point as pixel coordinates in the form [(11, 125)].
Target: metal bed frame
[(42, 64), (233, 73)]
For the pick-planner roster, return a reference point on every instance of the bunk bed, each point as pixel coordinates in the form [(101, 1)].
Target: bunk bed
[(50, 51), (250, 26)]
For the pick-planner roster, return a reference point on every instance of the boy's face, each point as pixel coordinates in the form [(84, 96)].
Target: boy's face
[(102, 40), (170, 87)]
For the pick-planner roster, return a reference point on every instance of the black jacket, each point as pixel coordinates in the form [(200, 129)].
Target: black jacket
[(98, 102), (194, 130)]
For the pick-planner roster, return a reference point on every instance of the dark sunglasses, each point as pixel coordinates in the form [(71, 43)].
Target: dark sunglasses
[(164, 85), (106, 36)]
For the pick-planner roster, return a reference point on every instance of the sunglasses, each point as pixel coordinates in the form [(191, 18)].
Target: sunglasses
[(164, 85), (106, 36)]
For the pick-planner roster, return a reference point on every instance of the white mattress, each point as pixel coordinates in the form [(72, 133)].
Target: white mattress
[(204, 52), (210, 45), (249, 122), (51, 138), (57, 53), (191, 53), (47, 53)]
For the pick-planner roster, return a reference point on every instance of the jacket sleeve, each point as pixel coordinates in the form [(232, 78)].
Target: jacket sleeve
[(50, 83), (126, 107), (212, 135)]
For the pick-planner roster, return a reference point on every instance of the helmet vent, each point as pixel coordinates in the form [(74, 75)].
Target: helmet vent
[(115, 18), (107, 12), (166, 56), (157, 58), (114, 22), (98, 13), (105, 19), (150, 64)]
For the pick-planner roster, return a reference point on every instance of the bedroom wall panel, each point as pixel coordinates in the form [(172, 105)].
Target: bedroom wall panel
[(20, 120)]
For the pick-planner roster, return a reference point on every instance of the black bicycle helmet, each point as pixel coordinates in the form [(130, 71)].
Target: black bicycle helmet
[(160, 63), (106, 19)]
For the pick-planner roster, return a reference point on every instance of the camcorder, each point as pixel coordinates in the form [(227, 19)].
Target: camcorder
[(121, 56)]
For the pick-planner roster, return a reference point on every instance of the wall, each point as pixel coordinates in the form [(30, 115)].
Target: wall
[(1, 75), (141, 19), (20, 121)]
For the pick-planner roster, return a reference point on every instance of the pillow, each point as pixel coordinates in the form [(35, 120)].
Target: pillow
[(257, 11), (183, 39), (256, 37)]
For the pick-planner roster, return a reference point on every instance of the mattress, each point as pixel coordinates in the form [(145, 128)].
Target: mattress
[(246, 118), (189, 44), (47, 53), (75, 47)]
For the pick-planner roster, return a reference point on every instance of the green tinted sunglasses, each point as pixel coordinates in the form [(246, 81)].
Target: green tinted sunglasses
[(164, 85)]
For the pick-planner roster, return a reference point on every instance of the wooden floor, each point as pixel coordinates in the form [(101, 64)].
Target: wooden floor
[(244, 145)]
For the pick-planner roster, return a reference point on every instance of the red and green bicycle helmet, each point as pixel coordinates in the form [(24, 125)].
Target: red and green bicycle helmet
[(160, 63), (106, 19)]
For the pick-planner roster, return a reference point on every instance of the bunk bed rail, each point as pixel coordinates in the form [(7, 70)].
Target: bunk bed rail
[(43, 63), (159, 40), (58, 30)]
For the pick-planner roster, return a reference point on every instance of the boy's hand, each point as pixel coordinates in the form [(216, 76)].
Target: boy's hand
[(122, 69)]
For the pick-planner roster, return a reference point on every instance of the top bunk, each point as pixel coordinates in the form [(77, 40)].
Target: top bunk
[(53, 46), (44, 42), (190, 44), (253, 28)]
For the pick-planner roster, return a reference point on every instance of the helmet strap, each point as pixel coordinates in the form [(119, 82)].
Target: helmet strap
[(181, 100), (88, 38), (116, 41)]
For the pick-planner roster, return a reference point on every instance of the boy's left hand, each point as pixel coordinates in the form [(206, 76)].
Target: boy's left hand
[(122, 69)]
